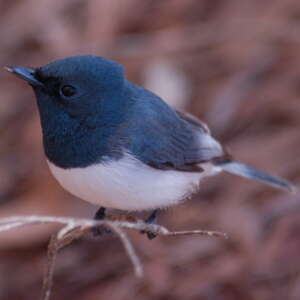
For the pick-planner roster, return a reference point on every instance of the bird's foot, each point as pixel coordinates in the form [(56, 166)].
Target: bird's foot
[(151, 220), (101, 215), (100, 230)]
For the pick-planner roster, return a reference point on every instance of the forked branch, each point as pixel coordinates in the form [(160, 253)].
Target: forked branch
[(75, 228)]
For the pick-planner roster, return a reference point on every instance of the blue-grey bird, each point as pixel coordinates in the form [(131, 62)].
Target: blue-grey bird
[(115, 144)]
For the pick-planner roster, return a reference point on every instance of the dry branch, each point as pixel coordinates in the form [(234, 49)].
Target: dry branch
[(75, 228)]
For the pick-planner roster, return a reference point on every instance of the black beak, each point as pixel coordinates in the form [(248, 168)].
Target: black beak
[(26, 74)]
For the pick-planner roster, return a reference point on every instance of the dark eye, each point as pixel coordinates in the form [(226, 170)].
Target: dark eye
[(68, 90)]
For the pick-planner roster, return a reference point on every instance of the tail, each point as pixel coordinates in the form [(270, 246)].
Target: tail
[(243, 170)]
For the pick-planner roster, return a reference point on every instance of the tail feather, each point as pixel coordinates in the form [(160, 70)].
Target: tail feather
[(243, 170)]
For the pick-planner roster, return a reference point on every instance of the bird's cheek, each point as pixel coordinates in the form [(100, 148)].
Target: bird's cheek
[(91, 122)]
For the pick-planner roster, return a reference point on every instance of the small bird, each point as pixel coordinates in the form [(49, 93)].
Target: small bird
[(117, 145)]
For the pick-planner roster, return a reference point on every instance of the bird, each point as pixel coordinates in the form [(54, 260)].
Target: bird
[(118, 145)]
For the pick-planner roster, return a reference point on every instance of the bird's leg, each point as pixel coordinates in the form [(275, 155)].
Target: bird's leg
[(100, 215), (153, 217), (151, 220)]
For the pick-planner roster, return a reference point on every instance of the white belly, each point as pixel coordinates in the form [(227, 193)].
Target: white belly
[(128, 184)]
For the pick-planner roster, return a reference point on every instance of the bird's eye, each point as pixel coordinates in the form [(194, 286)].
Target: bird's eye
[(68, 90)]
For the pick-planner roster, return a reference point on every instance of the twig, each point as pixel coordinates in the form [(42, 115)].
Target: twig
[(138, 268), (76, 228), (199, 232), (63, 238), (48, 276)]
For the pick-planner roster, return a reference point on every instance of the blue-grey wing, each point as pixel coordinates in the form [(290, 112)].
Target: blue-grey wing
[(166, 139)]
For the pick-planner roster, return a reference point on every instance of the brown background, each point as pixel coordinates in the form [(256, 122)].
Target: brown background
[(235, 64)]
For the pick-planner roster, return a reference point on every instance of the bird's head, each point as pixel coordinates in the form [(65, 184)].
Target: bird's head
[(87, 89)]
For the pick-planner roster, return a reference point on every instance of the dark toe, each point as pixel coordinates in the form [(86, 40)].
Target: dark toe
[(151, 235), (100, 230)]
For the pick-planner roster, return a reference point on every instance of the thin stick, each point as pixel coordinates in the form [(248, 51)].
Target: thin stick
[(198, 232), (63, 238), (76, 228), (48, 276), (137, 266)]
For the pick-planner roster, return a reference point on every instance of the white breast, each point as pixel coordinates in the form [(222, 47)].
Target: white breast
[(128, 184)]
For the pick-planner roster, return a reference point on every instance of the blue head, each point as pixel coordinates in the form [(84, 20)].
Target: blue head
[(77, 89), (79, 98)]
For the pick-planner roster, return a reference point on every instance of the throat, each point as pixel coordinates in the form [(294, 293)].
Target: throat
[(82, 139), (80, 148)]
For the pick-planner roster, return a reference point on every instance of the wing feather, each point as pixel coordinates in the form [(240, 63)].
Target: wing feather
[(170, 140)]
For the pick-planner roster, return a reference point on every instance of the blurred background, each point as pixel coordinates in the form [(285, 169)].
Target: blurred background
[(236, 65)]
